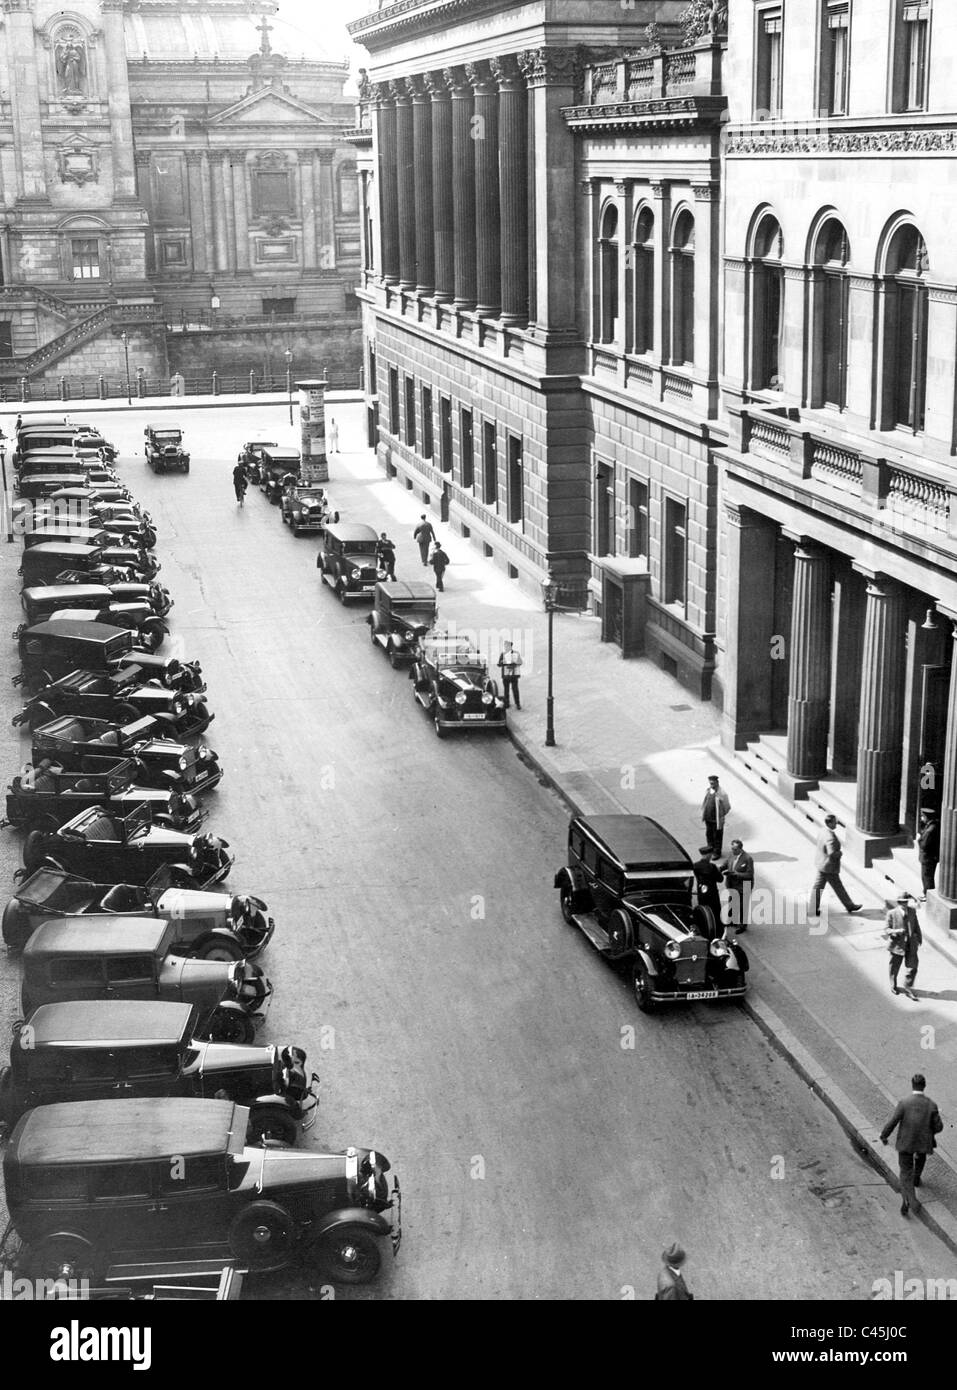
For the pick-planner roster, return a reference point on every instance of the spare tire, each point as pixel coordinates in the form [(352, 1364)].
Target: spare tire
[(262, 1235), (34, 851)]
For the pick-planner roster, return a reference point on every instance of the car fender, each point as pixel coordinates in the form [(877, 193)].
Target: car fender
[(642, 955), (274, 1102), (351, 1216), (569, 878)]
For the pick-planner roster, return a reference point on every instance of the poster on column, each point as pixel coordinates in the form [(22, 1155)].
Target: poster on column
[(312, 423)]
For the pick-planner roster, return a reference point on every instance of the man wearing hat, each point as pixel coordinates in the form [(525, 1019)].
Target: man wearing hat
[(671, 1284), (903, 936), (827, 863), (714, 813), (928, 849)]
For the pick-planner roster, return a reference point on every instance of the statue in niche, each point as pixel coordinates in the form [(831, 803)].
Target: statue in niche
[(70, 66)]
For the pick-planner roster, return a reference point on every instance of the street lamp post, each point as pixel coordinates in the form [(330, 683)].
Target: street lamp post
[(124, 336), (550, 594), (7, 499), (288, 356)]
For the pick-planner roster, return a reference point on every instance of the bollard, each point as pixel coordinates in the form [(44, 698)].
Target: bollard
[(101, 387), (252, 383), (215, 383), (23, 389)]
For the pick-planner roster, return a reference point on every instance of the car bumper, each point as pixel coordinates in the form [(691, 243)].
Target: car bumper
[(255, 942), (704, 994), (491, 721)]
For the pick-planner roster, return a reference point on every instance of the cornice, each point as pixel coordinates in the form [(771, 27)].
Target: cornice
[(376, 30), (625, 115), (897, 140)]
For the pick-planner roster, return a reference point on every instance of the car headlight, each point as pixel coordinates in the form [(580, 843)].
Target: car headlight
[(205, 752), (487, 699), (381, 574), (178, 708), (182, 764), (672, 950), (460, 698), (356, 574), (720, 948)]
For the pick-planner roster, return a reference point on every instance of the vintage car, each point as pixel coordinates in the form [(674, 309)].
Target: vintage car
[(402, 613), (50, 650), (44, 795), (109, 494), (111, 699), (69, 533), (57, 519), (44, 564), (168, 671), (628, 887), (69, 739), (122, 590), (275, 468), (43, 485), (164, 448), (133, 958), (347, 560), (209, 926), (92, 603), (148, 628), (251, 455), (125, 849), (88, 437), (111, 1049), (94, 471), (84, 1182), (305, 507), (450, 680)]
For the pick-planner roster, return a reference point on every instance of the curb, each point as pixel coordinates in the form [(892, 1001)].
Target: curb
[(863, 1135)]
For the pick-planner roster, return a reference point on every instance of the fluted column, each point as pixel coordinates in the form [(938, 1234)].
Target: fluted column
[(143, 160), (810, 664), (327, 208), (424, 211), (307, 203), (229, 215), (240, 209), (405, 165), (443, 222), (388, 183), (24, 96), (463, 186), (947, 871), (882, 709), (488, 251), (220, 229), (118, 98), (513, 187), (206, 188), (847, 644), (194, 175)]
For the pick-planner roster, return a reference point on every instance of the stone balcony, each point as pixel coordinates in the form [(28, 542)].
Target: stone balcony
[(654, 86)]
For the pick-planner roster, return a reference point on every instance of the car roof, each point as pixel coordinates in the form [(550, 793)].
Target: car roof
[(635, 841), (162, 429), (411, 591), (348, 531), (95, 935), (76, 627), (114, 1131), (57, 592), (111, 1021)]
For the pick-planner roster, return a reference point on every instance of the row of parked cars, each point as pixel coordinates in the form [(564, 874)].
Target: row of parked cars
[(135, 1087)]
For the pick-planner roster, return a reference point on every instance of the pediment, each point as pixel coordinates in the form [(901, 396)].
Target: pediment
[(268, 107)]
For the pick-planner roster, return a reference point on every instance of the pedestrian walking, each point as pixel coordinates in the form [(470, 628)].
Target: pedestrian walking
[(714, 813), (440, 563), (707, 878), (903, 936), (827, 863), (240, 482), (739, 880), (916, 1120), (671, 1281), (385, 555), (928, 850), (510, 663), (333, 434), (423, 535)]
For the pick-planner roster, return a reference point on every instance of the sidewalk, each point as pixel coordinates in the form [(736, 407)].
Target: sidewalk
[(629, 738), (78, 408)]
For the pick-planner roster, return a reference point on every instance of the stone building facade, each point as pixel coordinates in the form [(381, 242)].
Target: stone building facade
[(170, 162)]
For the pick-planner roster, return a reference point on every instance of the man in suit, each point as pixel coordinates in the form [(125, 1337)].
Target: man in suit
[(424, 535), (827, 862), (903, 936), (671, 1282), (739, 879), (714, 813), (928, 849), (707, 878), (916, 1120)]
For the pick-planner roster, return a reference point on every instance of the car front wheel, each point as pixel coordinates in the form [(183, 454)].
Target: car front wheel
[(439, 731), (270, 1123), (565, 901), (350, 1254), (262, 1235), (641, 983), (218, 948), (231, 1026)]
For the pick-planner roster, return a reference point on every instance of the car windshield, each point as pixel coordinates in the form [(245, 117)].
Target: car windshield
[(361, 548), (168, 436)]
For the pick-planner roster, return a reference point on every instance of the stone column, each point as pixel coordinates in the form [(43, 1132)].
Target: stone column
[(221, 238), (388, 183), (750, 625), (810, 664), (144, 191), (240, 209), (941, 336), (463, 186), (405, 168), (118, 99), (661, 196), (706, 316), (513, 187), (847, 652), (443, 222), (307, 201), (947, 871), (206, 189), (488, 257), (197, 231), (327, 209), (424, 209), (229, 215), (864, 294), (24, 97), (882, 709)]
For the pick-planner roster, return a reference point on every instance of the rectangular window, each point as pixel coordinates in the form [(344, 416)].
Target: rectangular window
[(428, 447), (910, 364), (86, 259), (769, 64), (373, 379), (129, 970), (637, 519), (468, 451), (915, 43), (273, 192), (604, 510), (489, 465), (394, 401), (516, 481), (676, 553), (6, 339), (682, 346), (410, 411), (280, 307), (834, 326), (835, 56), (445, 434)]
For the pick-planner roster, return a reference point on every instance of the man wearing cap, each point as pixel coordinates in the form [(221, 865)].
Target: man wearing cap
[(827, 863), (916, 1120), (671, 1284), (903, 936), (714, 813), (928, 849)]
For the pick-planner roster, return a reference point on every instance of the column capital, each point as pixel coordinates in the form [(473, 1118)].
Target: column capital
[(705, 192), (739, 515), (481, 78), (658, 191), (417, 87), (808, 547), (552, 67), (324, 156), (437, 84), (400, 91), (507, 73), (877, 582), (457, 81), (143, 158), (193, 157), (235, 156), (623, 188), (381, 93)]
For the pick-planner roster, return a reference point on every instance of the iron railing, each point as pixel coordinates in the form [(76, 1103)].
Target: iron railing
[(91, 388)]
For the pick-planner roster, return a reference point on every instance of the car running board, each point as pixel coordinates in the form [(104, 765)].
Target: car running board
[(593, 931)]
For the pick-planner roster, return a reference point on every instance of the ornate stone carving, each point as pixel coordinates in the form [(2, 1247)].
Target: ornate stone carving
[(457, 81), (436, 84), (480, 77), (77, 161), (400, 91), (366, 87), (704, 192), (507, 72), (70, 55), (553, 66), (897, 141), (382, 92)]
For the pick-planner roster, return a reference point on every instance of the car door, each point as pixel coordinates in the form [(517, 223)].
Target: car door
[(123, 1208), (74, 977), (607, 887), (131, 977), (193, 1201)]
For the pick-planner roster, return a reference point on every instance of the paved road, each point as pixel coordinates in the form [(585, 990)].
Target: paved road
[(550, 1139)]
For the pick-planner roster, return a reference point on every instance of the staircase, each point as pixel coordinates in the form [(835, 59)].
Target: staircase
[(106, 316)]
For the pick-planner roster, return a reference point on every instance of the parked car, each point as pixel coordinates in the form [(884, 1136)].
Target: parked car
[(276, 465), (117, 591), (305, 507), (56, 519), (347, 560), (41, 485), (111, 1049), (133, 958), (110, 494), (628, 886), (70, 739), (53, 649), (45, 563), (50, 602), (69, 533), (84, 1182), (402, 614), (168, 671), (44, 795), (89, 437), (251, 455), (67, 460), (450, 680), (164, 448), (109, 699), (126, 849), (209, 925)]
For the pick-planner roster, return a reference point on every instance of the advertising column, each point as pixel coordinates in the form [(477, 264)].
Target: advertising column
[(312, 420)]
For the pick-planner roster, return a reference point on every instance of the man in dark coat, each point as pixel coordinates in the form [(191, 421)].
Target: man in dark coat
[(827, 863), (928, 849), (423, 535), (916, 1120), (739, 879), (707, 878), (440, 563), (903, 936), (385, 553), (671, 1282)]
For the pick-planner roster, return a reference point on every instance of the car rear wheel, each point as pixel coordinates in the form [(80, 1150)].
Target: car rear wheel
[(218, 948), (641, 984), (565, 901), (261, 1236), (63, 1255), (231, 1026), (269, 1123), (350, 1254), (393, 658)]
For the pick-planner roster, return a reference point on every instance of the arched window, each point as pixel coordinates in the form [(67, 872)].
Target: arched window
[(905, 330), (682, 289), (643, 281), (767, 302), (831, 255), (608, 275)]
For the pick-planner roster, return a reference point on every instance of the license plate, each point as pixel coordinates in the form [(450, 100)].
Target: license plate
[(702, 994), (368, 586), (473, 716)]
